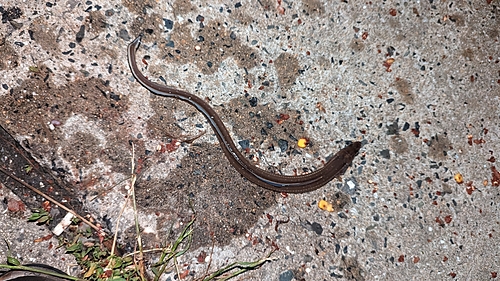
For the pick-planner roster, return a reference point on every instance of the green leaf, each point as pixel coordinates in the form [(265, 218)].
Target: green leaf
[(34, 217), (118, 263), (12, 261), (99, 271), (28, 168), (77, 255), (44, 219), (74, 247), (88, 250)]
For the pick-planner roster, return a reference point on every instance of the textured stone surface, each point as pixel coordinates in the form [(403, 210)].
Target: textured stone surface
[(417, 81)]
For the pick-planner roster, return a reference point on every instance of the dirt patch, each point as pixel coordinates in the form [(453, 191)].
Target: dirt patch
[(352, 269), (182, 7), (404, 89), (42, 32), (96, 22), (145, 24), (439, 146), (210, 45), (287, 67), (139, 7), (313, 7), (357, 45), (225, 203), (166, 125), (10, 59), (398, 144), (37, 110)]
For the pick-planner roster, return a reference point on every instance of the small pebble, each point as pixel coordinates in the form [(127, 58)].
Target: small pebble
[(80, 34), (244, 144), (253, 102), (286, 276), (168, 23), (123, 34), (283, 144), (55, 123), (316, 227)]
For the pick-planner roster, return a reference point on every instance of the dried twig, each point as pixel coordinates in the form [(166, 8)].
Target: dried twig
[(96, 228)]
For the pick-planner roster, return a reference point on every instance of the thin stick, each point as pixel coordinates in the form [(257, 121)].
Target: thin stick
[(98, 229), (115, 236), (177, 268), (136, 218)]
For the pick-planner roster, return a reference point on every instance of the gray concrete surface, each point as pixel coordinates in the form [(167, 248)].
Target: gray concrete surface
[(417, 81)]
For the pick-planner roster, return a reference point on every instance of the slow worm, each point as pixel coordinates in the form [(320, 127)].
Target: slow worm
[(335, 167)]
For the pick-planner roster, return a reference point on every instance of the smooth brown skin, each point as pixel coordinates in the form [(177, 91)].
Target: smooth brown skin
[(335, 167)]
